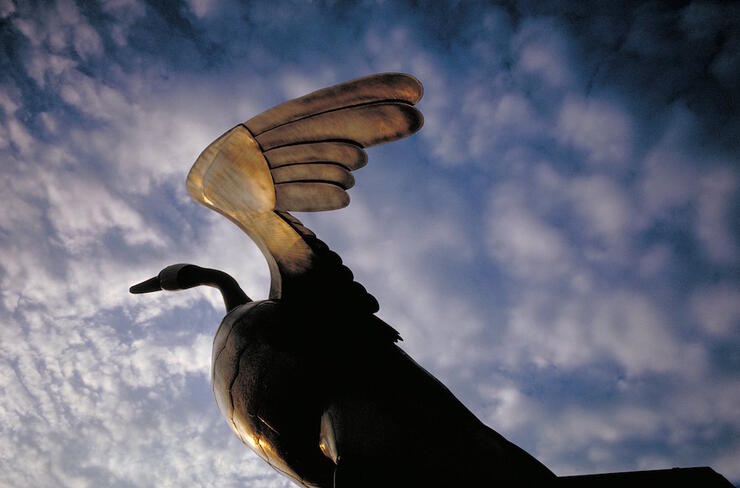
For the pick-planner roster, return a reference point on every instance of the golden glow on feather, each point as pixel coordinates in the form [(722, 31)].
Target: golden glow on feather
[(232, 177)]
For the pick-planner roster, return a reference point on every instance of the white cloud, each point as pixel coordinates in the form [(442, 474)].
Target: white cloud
[(202, 8), (718, 309), (102, 388), (603, 205), (7, 7), (494, 122), (442, 127), (563, 313), (654, 261), (387, 256), (521, 241), (4, 138), (295, 84), (543, 51), (597, 128), (97, 393), (125, 12), (99, 409), (29, 29), (668, 182), (509, 409), (92, 97), (41, 65), (19, 135), (102, 402), (672, 181), (86, 41), (727, 465), (713, 220), (543, 60), (82, 211), (49, 121), (7, 102), (668, 175), (569, 330), (61, 27)]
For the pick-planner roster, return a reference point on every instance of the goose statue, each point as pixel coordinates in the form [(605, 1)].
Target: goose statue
[(310, 378)]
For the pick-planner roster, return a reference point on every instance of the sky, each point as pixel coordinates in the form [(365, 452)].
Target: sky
[(559, 244)]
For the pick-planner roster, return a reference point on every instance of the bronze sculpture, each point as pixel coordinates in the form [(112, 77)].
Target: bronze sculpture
[(310, 378)]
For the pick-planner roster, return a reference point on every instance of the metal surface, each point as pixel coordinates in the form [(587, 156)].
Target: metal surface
[(348, 155), (311, 379), (365, 125), (371, 89), (702, 477), (310, 197), (315, 405), (233, 177), (328, 173)]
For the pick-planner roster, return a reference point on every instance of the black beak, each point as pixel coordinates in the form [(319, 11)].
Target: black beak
[(148, 286)]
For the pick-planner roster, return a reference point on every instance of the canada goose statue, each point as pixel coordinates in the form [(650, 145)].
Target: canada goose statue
[(310, 378)]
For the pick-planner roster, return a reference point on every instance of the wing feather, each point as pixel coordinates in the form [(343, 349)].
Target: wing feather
[(330, 173), (313, 196), (374, 88), (298, 157), (366, 125), (348, 155), (296, 224)]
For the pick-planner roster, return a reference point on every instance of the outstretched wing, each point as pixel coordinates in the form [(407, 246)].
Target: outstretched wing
[(298, 156)]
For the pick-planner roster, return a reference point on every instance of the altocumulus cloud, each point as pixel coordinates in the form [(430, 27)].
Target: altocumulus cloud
[(559, 244)]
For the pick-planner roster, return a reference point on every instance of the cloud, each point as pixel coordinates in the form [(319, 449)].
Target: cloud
[(713, 228), (557, 245), (19, 136), (718, 309), (7, 7), (508, 407), (78, 223), (60, 28), (598, 129), (668, 182), (8, 102), (408, 291), (572, 328), (528, 246), (604, 207), (126, 13), (93, 423), (543, 51), (201, 8)]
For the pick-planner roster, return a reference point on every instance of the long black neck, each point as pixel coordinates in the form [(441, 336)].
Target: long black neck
[(230, 290), (183, 276)]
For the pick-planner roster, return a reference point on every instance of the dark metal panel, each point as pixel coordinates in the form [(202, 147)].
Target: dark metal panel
[(704, 477)]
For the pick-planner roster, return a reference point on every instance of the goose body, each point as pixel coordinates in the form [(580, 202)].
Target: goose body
[(327, 410), (311, 379)]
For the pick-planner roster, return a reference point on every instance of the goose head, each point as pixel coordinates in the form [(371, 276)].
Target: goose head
[(183, 276)]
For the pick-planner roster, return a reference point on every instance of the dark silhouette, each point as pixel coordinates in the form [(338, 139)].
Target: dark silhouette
[(310, 378)]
